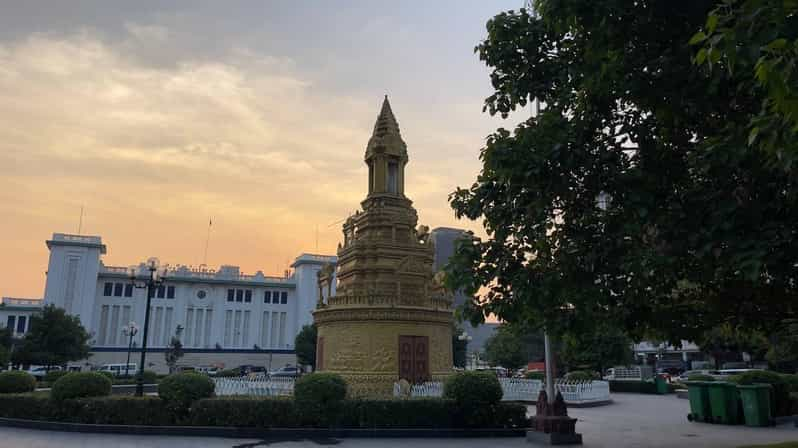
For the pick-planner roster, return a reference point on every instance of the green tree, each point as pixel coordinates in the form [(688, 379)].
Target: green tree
[(305, 345), (596, 349), (459, 347), (510, 346), (55, 338), (725, 343), (633, 196), (783, 352)]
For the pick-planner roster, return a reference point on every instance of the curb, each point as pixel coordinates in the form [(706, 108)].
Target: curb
[(261, 433)]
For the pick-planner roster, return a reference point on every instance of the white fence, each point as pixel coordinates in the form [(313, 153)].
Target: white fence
[(519, 389), (254, 386)]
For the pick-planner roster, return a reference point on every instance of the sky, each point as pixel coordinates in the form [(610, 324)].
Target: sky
[(157, 118)]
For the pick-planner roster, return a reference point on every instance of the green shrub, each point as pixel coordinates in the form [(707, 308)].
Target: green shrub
[(700, 377), (150, 377), (637, 387), (108, 375), (245, 412), (182, 389), (535, 376), (261, 412), (473, 388), (119, 410), (80, 385), (579, 375), (792, 381), (53, 376), (318, 397), (780, 396), (16, 381)]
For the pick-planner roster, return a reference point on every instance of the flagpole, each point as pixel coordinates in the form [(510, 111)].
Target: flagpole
[(207, 240)]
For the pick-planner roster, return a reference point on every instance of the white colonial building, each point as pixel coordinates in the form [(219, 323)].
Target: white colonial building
[(223, 317)]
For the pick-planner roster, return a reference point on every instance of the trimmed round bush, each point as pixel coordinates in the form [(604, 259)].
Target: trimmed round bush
[(16, 381), (473, 388), (229, 373), (792, 381), (53, 375), (81, 385), (319, 398), (579, 375), (182, 389), (780, 396), (320, 387)]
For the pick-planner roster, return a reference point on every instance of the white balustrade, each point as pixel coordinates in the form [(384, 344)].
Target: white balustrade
[(521, 389), (263, 387)]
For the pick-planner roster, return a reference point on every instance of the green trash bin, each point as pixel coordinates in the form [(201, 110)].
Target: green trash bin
[(723, 404), (698, 394), (661, 384), (756, 404)]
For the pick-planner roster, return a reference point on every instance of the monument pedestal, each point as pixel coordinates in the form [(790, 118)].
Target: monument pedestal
[(551, 423)]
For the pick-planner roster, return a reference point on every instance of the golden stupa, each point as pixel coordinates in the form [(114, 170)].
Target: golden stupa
[(390, 317)]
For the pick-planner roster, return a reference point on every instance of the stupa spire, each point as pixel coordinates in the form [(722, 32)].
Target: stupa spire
[(386, 137)]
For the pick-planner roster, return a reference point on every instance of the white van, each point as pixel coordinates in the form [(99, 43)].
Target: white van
[(119, 369)]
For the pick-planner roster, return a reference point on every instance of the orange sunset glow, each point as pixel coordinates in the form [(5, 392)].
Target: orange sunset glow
[(153, 128)]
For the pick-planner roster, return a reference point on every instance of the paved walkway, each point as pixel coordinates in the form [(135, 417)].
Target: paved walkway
[(631, 421)]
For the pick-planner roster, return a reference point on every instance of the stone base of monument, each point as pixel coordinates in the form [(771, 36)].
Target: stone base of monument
[(551, 424)]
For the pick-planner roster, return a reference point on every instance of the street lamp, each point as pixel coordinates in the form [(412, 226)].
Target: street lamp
[(130, 330), (149, 277)]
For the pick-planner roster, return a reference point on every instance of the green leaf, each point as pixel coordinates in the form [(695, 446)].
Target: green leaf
[(701, 56), (712, 22), (697, 38), (752, 135)]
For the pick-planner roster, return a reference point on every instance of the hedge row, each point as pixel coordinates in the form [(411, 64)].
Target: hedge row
[(262, 412)]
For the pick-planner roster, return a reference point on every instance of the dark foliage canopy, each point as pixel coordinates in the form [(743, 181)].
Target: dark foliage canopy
[(634, 196)]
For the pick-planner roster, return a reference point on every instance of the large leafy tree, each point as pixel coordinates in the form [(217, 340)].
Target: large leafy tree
[(758, 41), (726, 343), (305, 345), (512, 347), (634, 195), (55, 338), (597, 349)]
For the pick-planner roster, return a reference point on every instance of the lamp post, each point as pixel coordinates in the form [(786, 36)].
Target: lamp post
[(130, 330), (148, 277)]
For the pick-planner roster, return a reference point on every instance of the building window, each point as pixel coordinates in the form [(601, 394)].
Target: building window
[(393, 173), (231, 293), (161, 292), (21, 320), (248, 296), (267, 297), (10, 323), (128, 290), (108, 289), (118, 288), (170, 292), (239, 295), (283, 297)]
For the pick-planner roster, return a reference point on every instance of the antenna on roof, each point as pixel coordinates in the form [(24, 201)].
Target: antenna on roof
[(80, 222), (207, 240)]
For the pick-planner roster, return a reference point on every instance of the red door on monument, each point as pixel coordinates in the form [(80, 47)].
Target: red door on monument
[(414, 358)]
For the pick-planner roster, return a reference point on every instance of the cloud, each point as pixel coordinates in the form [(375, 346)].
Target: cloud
[(153, 150)]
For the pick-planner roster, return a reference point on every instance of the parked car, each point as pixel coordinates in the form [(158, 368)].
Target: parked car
[(287, 371), (40, 371), (119, 369), (207, 370)]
